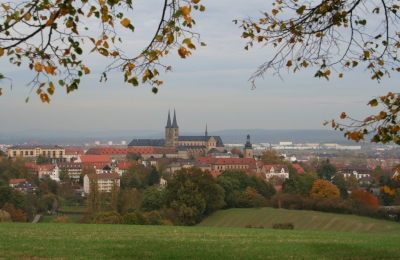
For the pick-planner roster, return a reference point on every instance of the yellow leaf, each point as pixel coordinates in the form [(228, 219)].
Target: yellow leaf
[(18, 50), (130, 66), (1, 92), (289, 63), (380, 62), (38, 67), (5, 7), (1, 52), (185, 10), (275, 12), (105, 45), (125, 22), (27, 16), (341, 75), (195, 1)]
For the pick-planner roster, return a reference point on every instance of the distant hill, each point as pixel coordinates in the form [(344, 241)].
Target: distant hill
[(228, 136)]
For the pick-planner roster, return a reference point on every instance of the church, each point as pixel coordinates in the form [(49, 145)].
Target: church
[(186, 146)]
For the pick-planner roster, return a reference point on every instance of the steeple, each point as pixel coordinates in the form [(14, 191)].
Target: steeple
[(206, 135), (168, 121), (248, 144), (174, 124)]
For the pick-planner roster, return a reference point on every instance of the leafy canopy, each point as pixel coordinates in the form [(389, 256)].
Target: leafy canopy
[(48, 37)]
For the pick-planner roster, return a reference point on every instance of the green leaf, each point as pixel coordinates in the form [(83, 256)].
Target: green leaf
[(373, 103), (154, 90), (177, 14), (203, 44), (61, 82), (135, 82)]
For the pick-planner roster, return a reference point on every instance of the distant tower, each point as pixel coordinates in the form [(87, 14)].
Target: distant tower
[(169, 132), (175, 131), (248, 148), (206, 135)]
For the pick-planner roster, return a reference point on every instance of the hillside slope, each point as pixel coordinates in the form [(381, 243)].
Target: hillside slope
[(302, 220)]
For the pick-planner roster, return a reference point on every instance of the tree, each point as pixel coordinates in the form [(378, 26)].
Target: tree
[(340, 183), (368, 198), (63, 176), (133, 156), (41, 159), (271, 157), (152, 199), (352, 183), (17, 215), (114, 196), (300, 184), (250, 198), (154, 177), (376, 174), (330, 35), (323, 189), (237, 152), (193, 194), (94, 194), (326, 170), (48, 36)]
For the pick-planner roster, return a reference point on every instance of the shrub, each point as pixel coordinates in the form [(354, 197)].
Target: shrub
[(154, 217), (109, 217), (167, 222), (17, 215), (324, 189), (288, 225), (1, 220), (63, 219), (135, 218), (5, 216)]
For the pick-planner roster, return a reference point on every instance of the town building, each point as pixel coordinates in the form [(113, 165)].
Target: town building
[(186, 146), (26, 187), (280, 171), (105, 181), (54, 153)]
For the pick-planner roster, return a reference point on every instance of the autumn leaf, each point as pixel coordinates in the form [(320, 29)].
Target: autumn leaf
[(86, 70), (44, 97), (343, 115), (289, 63), (51, 88), (1, 52), (275, 12), (5, 7), (27, 16), (38, 67), (125, 22), (49, 69)]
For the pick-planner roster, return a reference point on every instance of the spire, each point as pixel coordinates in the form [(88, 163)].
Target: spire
[(248, 144), (206, 133), (168, 121), (174, 124)]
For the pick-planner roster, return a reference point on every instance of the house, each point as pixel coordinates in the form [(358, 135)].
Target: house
[(15, 182), (105, 181), (54, 153), (40, 170), (73, 153), (26, 187), (356, 171), (275, 170), (74, 170), (222, 164), (298, 168), (93, 159), (174, 166)]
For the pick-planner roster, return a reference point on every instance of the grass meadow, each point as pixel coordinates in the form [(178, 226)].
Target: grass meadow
[(84, 241), (302, 220), (73, 218)]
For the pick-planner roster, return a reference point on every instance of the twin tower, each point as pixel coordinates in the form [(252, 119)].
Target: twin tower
[(172, 132)]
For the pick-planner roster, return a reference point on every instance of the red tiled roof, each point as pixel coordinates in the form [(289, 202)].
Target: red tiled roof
[(260, 164), (104, 176), (208, 159), (298, 168), (95, 158), (125, 164), (16, 181), (74, 151), (215, 173), (112, 150), (278, 188)]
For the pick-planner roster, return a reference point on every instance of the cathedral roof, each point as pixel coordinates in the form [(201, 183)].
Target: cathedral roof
[(147, 142), (202, 138)]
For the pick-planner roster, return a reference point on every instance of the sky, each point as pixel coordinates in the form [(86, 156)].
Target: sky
[(210, 87)]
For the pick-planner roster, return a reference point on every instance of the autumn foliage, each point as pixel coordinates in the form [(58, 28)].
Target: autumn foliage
[(323, 189), (17, 215), (368, 198)]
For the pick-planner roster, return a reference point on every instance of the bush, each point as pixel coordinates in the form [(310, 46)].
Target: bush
[(63, 219), (135, 218), (288, 225), (154, 217), (1, 220), (109, 217), (5, 216)]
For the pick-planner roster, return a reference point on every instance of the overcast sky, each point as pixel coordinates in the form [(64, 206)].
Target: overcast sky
[(211, 86)]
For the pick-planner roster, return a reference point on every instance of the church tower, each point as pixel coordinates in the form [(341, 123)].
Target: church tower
[(248, 148), (169, 132), (175, 131)]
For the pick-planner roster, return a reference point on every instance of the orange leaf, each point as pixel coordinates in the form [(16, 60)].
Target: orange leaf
[(343, 115), (38, 67), (275, 12), (289, 63)]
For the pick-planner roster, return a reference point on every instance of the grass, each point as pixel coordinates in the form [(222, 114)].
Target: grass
[(65, 206), (302, 220), (77, 241), (74, 218)]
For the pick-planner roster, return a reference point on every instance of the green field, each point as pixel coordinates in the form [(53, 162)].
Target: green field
[(302, 220), (74, 218), (77, 241), (65, 206)]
